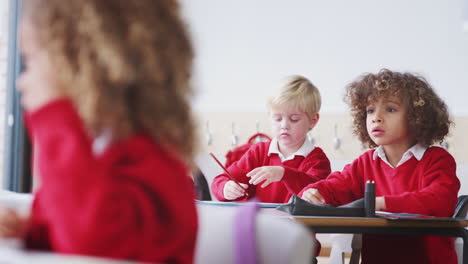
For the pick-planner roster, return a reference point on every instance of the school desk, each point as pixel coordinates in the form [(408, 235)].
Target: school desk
[(365, 225), (362, 225)]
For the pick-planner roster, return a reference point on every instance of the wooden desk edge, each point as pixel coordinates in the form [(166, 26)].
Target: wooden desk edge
[(377, 222)]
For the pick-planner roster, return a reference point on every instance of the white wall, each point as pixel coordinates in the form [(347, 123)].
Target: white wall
[(244, 47)]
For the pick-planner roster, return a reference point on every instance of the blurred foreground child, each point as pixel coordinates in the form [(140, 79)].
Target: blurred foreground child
[(105, 89)]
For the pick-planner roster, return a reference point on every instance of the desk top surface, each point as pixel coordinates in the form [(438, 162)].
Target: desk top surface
[(378, 222)]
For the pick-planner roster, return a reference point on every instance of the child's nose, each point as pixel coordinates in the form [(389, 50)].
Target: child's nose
[(377, 117), (284, 124)]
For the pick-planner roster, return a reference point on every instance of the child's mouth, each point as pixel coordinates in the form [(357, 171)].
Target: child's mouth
[(377, 132)]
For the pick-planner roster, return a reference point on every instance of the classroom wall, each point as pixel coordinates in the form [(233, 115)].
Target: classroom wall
[(245, 125), (220, 125), (245, 47)]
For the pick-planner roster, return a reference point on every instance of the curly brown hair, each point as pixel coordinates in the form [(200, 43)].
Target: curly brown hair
[(126, 65), (428, 117)]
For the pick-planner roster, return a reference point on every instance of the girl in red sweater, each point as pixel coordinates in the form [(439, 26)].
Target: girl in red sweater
[(274, 171), (106, 90), (402, 116)]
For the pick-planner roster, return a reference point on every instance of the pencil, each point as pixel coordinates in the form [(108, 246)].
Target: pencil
[(227, 172)]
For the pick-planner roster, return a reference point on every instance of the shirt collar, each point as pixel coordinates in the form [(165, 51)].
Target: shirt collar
[(304, 150), (101, 143), (417, 151)]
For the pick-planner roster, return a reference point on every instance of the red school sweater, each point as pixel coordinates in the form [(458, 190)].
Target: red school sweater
[(428, 186), (298, 172), (133, 201)]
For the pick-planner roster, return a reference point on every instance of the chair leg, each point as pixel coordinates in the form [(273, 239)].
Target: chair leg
[(356, 245)]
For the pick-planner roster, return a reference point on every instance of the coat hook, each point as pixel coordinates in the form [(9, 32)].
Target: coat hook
[(209, 136), (260, 137), (336, 139), (310, 137), (445, 144), (234, 139)]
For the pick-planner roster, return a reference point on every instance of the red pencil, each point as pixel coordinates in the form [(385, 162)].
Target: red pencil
[(227, 172)]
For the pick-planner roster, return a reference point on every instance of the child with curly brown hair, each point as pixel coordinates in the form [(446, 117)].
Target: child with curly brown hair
[(106, 93), (402, 116)]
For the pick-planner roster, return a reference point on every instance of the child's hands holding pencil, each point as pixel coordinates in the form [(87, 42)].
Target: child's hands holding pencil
[(232, 190)]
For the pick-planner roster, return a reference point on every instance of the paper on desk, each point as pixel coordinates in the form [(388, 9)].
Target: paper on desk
[(408, 216), (262, 205)]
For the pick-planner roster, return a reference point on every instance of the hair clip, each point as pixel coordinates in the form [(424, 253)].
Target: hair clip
[(420, 102)]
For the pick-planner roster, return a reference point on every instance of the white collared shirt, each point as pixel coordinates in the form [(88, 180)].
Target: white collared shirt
[(304, 150), (417, 151), (100, 143)]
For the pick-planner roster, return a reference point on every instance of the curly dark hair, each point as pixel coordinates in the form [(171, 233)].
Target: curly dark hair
[(428, 117)]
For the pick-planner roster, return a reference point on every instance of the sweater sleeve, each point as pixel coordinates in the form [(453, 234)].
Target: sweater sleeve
[(438, 195), (340, 187), (94, 207), (316, 167), (249, 161)]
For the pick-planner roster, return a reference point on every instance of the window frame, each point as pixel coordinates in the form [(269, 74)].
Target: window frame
[(17, 150)]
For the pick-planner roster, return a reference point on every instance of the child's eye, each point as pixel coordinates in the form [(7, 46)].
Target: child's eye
[(294, 120), (277, 119), (391, 109), (370, 111)]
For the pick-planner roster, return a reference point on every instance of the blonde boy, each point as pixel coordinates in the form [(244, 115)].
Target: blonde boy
[(274, 171)]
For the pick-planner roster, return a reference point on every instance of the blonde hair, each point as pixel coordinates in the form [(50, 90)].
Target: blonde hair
[(126, 65), (300, 93)]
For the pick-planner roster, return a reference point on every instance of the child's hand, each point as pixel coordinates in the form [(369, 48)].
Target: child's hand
[(268, 174), (232, 191), (11, 224), (313, 196), (380, 204)]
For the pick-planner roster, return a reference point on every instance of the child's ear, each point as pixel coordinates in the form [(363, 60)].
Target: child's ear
[(314, 120)]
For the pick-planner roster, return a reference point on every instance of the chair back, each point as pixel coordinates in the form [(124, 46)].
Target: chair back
[(461, 209), (278, 240)]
